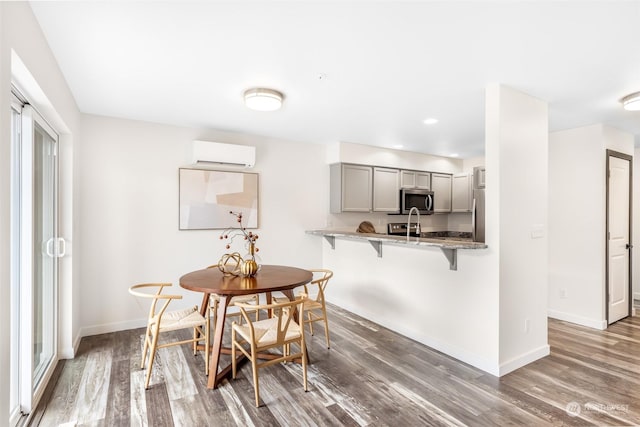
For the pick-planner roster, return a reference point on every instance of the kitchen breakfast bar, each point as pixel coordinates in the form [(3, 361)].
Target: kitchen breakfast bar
[(448, 246), (440, 292)]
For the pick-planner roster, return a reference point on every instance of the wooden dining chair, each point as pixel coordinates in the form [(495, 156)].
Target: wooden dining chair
[(160, 320), (314, 304), (214, 300), (279, 331)]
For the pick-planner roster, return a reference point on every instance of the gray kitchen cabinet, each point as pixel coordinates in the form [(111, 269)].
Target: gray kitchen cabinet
[(461, 193), (415, 179), (351, 188), (441, 186), (386, 190)]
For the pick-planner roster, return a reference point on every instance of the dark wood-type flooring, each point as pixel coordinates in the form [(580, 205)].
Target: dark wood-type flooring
[(370, 376)]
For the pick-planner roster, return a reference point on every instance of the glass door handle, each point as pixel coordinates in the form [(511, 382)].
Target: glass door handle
[(48, 248), (61, 247)]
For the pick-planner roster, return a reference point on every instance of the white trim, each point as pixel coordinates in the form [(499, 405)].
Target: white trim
[(26, 261), (15, 301), (578, 320), (524, 359), (70, 352), (112, 327)]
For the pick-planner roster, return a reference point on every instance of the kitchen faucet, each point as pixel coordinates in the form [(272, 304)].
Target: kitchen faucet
[(409, 222)]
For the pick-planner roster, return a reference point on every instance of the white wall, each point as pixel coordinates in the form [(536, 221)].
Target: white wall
[(128, 212), (469, 164), (48, 92), (516, 156), (577, 221), (376, 156), (412, 291)]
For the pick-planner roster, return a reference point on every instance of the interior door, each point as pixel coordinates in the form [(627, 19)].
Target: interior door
[(618, 236)]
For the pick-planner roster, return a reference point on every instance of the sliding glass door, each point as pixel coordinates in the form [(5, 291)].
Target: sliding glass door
[(35, 249), (45, 248)]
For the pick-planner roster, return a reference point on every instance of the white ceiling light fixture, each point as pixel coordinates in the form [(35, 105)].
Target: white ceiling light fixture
[(631, 102), (261, 99), (430, 121)]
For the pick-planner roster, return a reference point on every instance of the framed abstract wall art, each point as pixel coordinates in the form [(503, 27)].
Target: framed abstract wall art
[(207, 196)]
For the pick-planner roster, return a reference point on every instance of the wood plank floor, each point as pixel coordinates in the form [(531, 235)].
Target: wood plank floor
[(370, 376)]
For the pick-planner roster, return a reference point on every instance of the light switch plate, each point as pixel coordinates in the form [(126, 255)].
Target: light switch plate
[(537, 231)]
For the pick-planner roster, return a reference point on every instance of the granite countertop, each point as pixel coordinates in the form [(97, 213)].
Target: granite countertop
[(448, 235), (444, 242)]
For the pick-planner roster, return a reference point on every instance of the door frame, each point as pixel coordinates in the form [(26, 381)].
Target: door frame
[(29, 392), (612, 153)]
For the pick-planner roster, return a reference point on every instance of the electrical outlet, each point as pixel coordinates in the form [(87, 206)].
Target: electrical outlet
[(563, 293), (527, 325)]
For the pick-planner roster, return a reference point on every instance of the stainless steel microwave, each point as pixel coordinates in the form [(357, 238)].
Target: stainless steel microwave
[(416, 198)]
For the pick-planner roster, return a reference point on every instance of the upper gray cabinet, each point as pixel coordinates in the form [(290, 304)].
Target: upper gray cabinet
[(441, 186), (415, 179), (351, 188), (461, 192), (386, 190), (363, 188)]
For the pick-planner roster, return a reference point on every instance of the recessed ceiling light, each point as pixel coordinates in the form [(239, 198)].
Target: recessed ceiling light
[(261, 99), (631, 102), (453, 155), (430, 121), (398, 146)]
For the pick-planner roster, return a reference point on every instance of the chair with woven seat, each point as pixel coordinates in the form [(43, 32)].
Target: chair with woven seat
[(160, 321), (315, 307), (279, 331), (214, 300)]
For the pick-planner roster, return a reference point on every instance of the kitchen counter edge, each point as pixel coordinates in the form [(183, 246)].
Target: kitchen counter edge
[(399, 240)]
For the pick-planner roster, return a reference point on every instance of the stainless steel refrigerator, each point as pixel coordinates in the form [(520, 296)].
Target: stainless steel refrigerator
[(478, 208)]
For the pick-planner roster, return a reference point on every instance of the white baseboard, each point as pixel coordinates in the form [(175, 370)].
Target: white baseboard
[(71, 351), (67, 353), (578, 320), (524, 359), (111, 327)]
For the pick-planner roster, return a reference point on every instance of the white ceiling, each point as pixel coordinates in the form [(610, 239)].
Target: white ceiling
[(361, 71)]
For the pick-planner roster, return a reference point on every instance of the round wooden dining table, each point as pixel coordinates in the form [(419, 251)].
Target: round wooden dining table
[(270, 278)]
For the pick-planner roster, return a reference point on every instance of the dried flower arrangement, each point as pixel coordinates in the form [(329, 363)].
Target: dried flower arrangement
[(247, 266)]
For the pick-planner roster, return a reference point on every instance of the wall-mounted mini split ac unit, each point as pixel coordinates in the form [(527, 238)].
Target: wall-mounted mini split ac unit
[(226, 154)]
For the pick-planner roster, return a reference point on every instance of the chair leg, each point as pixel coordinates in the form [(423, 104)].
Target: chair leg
[(152, 356), (326, 326), (310, 321), (254, 367), (195, 341), (304, 364), (207, 338), (233, 353), (145, 347)]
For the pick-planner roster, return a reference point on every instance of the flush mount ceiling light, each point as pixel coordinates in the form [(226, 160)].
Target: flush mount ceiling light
[(631, 102), (261, 99), (430, 121)]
